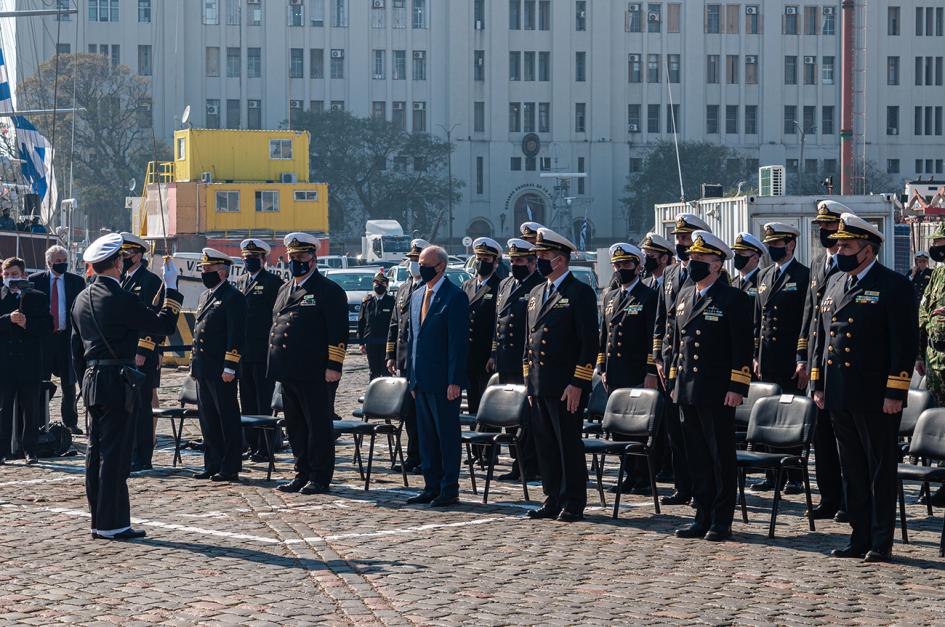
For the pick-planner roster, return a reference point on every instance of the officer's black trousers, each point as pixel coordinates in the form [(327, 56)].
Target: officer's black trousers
[(561, 461), (57, 356), (710, 446), (143, 440), (309, 423), (375, 358), (827, 462), (27, 399), (682, 478), (220, 425), (107, 464), (256, 400), (868, 457)]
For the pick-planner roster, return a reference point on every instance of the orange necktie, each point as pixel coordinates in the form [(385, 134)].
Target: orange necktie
[(426, 305)]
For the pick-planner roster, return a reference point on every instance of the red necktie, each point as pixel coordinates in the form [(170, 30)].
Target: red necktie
[(54, 304)]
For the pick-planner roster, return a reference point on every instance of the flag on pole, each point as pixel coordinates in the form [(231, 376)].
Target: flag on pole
[(528, 209), (584, 234)]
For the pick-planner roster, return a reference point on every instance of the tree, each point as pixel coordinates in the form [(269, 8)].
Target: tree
[(114, 139), (378, 170), (658, 181)]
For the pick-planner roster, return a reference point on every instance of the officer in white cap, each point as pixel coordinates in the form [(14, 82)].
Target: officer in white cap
[(748, 251), (140, 281), (659, 255), (308, 362), (861, 367), (481, 290), (710, 375), (260, 287), (921, 274), (107, 321), (529, 231), (560, 350)]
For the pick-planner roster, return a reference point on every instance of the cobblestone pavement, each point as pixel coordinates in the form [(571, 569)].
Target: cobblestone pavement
[(248, 554)]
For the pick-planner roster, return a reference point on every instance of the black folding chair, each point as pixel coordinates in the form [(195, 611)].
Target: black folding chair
[(917, 382), (269, 425), (784, 422), (384, 399), (596, 406), (501, 407), (756, 390), (928, 443), (177, 415), (630, 413)]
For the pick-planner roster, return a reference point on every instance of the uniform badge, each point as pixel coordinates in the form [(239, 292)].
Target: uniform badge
[(762, 288), (790, 287), (633, 310), (713, 313), (308, 300)]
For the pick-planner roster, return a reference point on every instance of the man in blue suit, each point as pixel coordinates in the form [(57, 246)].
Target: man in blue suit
[(438, 334)]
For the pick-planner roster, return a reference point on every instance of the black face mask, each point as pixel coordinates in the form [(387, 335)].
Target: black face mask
[(651, 264), (682, 251), (520, 272), (60, 268), (484, 267), (777, 254), (848, 263), (544, 267), (210, 279), (298, 267), (252, 264), (126, 264), (379, 289), (427, 273), (937, 253), (825, 240), (698, 270), (741, 261), (627, 275)]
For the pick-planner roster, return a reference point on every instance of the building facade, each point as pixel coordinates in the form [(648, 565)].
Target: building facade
[(527, 88)]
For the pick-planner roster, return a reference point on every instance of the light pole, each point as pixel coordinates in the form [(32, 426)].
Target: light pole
[(449, 173)]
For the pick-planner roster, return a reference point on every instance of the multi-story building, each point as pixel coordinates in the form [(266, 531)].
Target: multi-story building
[(590, 84)]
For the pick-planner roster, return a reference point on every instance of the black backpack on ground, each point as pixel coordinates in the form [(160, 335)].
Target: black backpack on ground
[(54, 440)]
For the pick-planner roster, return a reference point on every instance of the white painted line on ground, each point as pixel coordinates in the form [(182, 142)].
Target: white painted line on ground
[(49, 480), (404, 530)]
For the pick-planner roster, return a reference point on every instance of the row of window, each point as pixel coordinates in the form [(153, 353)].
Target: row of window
[(336, 65), (927, 120), (267, 201), (929, 21), (928, 70), (537, 65)]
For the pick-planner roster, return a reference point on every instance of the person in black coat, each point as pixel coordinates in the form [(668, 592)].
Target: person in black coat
[(920, 275), (106, 325), (374, 324), (137, 279), (260, 287), (709, 376), (219, 333), (748, 251), (308, 361), (862, 362), (558, 366), (509, 342), (61, 288), (481, 291), (25, 324)]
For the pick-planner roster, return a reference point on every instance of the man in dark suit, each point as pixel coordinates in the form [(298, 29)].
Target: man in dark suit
[(107, 322), (509, 342), (827, 457), (260, 289), (710, 374), (866, 344), (748, 251), (558, 365), (25, 324), (61, 288), (437, 344), (396, 348), (308, 361), (481, 292), (374, 324), (219, 333), (137, 279)]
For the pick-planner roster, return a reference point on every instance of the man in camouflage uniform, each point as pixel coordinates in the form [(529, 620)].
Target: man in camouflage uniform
[(931, 361)]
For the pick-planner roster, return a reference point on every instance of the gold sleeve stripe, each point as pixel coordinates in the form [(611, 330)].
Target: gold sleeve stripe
[(815, 374), (172, 305), (233, 356), (525, 371), (897, 384), (657, 344), (336, 354), (650, 361), (390, 347), (600, 358), (146, 344), (802, 343), (672, 373), (740, 376), (583, 376), (494, 345)]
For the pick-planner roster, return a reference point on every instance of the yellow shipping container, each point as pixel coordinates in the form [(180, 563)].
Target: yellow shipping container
[(240, 155)]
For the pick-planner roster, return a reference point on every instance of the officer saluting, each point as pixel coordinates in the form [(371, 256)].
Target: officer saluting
[(710, 374), (374, 324), (481, 291), (219, 332), (509, 343), (748, 251), (260, 288), (307, 361), (107, 321), (862, 365), (558, 366)]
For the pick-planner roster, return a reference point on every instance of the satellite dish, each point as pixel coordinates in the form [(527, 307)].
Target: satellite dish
[(186, 116), (132, 184)]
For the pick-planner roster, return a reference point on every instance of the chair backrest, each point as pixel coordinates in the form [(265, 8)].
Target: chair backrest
[(384, 398), (756, 390), (188, 392), (493, 380), (782, 421), (919, 401), (928, 438), (503, 406), (916, 382), (597, 401), (633, 412), (278, 404)]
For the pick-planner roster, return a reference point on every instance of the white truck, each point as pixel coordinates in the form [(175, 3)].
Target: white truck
[(383, 240)]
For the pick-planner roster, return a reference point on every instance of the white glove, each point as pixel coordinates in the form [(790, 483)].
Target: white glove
[(170, 273)]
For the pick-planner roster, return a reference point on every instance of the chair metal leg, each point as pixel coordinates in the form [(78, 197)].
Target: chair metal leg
[(178, 433), (272, 462), (810, 504), (594, 462), (489, 470), (518, 462), (600, 482), (928, 497), (370, 461), (941, 542), (776, 503), (741, 494), (902, 515), (472, 467), (357, 455), (390, 446), (649, 467), (620, 472), (400, 452)]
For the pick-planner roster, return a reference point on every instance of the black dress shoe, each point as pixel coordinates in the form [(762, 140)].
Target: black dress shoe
[(260, 458), (509, 476), (877, 556), (220, 477), (841, 517), (566, 516), (625, 488), (665, 477), (422, 498), (543, 512), (314, 488), (761, 486), (75, 431), (824, 512), (3, 461), (674, 499), (691, 531), (713, 535), (793, 487), (141, 467), (848, 551), (127, 534), (938, 498), (444, 501), (206, 474), (292, 486), (31, 460)]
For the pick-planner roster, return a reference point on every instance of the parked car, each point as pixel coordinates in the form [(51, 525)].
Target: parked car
[(357, 283), (587, 275), (399, 274)]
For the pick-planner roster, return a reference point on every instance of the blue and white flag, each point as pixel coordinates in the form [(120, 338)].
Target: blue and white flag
[(584, 226), (529, 210)]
